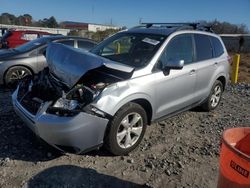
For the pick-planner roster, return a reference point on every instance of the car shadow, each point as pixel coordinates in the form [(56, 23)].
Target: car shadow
[(74, 176), (197, 109)]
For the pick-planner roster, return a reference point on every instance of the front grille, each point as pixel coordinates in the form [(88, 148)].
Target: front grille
[(30, 103)]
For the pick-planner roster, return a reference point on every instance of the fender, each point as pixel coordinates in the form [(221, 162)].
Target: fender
[(110, 99)]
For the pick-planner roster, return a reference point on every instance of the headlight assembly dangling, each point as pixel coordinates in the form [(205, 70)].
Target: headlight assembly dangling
[(65, 103)]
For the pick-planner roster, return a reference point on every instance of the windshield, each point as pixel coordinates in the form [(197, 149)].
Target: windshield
[(133, 49), (31, 45), (6, 34)]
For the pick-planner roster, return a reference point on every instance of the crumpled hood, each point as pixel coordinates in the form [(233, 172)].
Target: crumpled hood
[(70, 64)]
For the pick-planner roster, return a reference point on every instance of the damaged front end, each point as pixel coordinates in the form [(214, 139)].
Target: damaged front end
[(56, 103)]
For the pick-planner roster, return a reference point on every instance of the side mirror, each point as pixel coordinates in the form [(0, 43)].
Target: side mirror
[(172, 64)]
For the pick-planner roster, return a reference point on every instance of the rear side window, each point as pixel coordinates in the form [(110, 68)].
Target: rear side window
[(218, 48), (67, 42), (180, 48), (86, 45), (204, 49), (29, 36)]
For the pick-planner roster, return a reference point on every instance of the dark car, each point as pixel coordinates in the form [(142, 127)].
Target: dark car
[(14, 38), (28, 59)]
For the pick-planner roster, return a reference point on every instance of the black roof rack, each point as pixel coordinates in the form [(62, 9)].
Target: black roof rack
[(180, 26)]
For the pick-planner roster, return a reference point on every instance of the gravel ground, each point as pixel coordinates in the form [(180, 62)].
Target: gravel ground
[(182, 151)]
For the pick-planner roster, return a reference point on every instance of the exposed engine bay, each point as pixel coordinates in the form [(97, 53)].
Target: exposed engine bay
[(46, 87), (70, 82)]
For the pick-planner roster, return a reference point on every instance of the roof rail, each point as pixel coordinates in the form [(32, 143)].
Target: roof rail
[(180, 26), (171, 24)]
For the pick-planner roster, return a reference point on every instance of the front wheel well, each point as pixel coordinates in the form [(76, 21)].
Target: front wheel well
[(146, 106)]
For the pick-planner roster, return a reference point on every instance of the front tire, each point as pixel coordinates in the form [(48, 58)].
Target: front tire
[(214, 97), (126, 129)]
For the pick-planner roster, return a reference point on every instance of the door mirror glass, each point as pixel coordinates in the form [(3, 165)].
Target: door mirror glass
[(173, 64)]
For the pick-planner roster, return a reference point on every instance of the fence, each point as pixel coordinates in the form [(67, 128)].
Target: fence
[(232, 42), (50, 30)]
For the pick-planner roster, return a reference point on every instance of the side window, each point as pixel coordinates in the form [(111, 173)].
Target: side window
[(180, 48), (217, 46), (67, 42), (204, 49), (42, 50), (29, 36), (86, 45)]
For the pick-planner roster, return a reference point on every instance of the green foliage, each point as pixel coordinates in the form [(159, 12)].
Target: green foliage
[(74, 33), (100, 35), (26, 19)]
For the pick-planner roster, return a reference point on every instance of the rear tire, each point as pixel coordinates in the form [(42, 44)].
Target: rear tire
[(126, 129), (214, 97), (15, 74)]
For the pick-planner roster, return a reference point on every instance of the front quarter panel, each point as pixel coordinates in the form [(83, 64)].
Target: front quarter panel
[(115, 96)]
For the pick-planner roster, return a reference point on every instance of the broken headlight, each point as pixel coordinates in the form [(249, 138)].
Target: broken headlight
[(66, 104), (76, 100)]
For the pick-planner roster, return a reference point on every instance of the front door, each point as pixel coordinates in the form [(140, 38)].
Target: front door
[(175, 91)]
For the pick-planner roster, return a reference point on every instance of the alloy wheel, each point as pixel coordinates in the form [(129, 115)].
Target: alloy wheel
[(129, 130), (215, 98)]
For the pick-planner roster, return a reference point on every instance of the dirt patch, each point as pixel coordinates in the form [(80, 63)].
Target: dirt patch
[(182, 151)]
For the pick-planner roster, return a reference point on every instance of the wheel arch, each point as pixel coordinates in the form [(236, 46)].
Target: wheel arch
[(222, 79), (17, 65), (145, 104)]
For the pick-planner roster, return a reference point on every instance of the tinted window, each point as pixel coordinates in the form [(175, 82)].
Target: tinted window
[(85, 45), (180, 48), (218, 48), (203, 47), (133, 49), (67, 42)]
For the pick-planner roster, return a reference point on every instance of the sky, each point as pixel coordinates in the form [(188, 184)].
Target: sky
[(130, 12)]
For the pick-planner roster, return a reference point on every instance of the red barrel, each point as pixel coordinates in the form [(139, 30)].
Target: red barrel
[(235, 159)]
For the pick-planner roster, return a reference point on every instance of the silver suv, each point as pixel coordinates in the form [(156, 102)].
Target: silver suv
[(133, 78)]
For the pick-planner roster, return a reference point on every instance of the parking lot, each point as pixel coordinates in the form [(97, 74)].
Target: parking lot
[(180, 152)]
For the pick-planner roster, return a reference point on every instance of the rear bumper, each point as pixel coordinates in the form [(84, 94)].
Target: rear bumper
[(81, 132)]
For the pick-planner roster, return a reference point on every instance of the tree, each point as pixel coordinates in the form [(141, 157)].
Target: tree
[(7, 18), (52, 22), (26, 19), (101, 35), (226, 27)]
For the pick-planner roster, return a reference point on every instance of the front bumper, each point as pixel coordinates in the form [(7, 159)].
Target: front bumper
[(82, 132)]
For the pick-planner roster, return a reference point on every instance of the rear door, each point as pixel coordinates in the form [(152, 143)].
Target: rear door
[(205, 65), (176, 90)]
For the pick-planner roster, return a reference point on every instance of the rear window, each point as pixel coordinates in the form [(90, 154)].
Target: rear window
[(85, 45), (29, 36), (218, 48), (67, 42), (204, 49)]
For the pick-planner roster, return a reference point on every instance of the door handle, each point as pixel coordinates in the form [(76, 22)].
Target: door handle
[(216, 63), (192, 72)]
